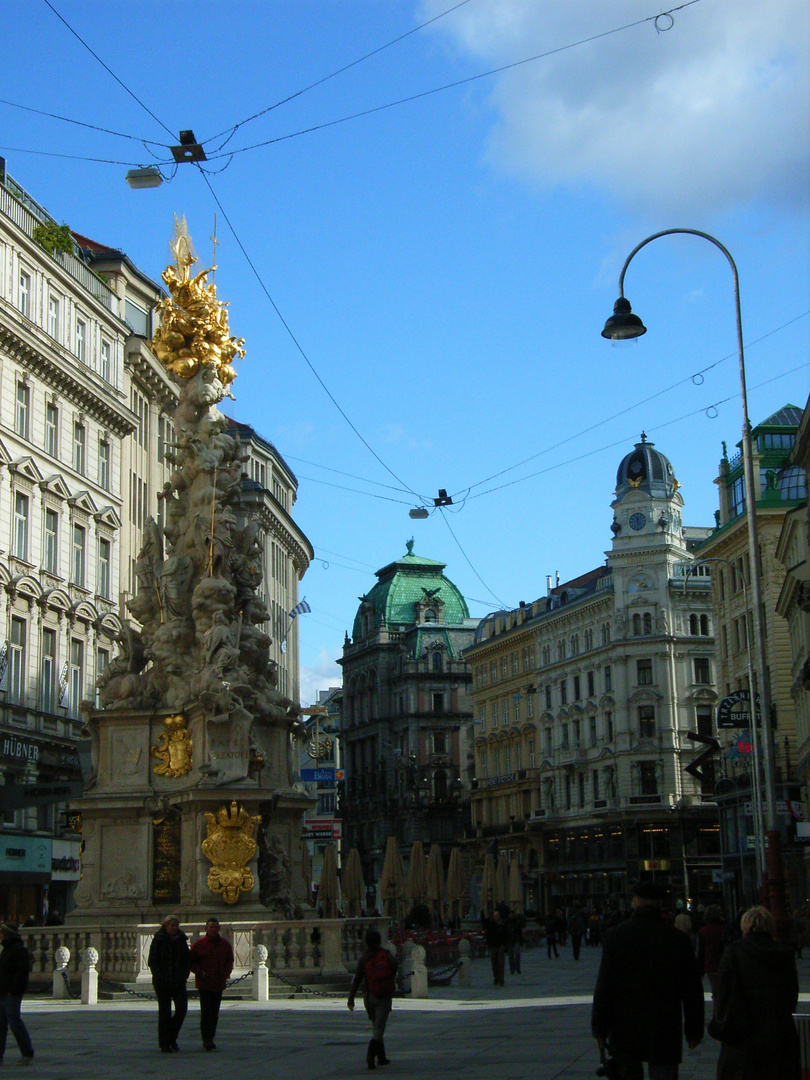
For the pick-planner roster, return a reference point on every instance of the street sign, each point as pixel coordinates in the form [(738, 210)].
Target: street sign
[(324, 776)]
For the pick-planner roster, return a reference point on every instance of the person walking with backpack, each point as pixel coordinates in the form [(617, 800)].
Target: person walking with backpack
[(376, 968)]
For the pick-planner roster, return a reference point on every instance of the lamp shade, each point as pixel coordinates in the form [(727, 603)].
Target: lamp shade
[(147, 177), (623, 325)]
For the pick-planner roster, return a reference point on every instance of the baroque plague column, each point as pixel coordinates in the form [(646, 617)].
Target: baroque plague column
[(190, 803)]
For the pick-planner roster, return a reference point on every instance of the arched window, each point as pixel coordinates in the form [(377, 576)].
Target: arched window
[(437, 661), (647, 622), (637, 625), (430, 615), (693, 624), (704, 625)]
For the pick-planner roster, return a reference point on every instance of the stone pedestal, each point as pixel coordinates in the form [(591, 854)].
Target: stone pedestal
[(161, 781)]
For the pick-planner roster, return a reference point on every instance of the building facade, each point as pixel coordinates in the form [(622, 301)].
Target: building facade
[(406, 712), (781, 496), (584, 702), (269, 490)]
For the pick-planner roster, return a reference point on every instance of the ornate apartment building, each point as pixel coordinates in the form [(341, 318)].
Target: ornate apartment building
[(583, 703), (781, 502), (406, 712)]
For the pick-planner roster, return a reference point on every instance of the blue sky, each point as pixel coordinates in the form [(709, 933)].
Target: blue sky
[(446, 264)]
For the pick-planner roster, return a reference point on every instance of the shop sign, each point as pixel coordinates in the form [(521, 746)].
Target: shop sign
[(66, 863), (27, 853), (734, 711), (322, 828), (19, 749)]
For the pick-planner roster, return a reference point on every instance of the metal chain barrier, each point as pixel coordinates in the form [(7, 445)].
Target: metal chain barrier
[(70, 993), (241, 978), (119, 988), (297, 987), (442, 972)]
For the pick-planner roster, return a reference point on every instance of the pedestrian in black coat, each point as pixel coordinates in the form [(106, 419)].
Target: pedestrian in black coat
[(170, 964), (495, 933), (648, 992), (757, 990), (14, 967)]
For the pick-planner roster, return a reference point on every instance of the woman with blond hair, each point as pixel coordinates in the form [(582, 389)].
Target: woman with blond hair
[(756, 992)]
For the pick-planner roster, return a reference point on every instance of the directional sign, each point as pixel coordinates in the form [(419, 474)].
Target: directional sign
[(712, 747)]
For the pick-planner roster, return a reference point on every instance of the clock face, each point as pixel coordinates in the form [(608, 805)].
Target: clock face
[(637, 521)]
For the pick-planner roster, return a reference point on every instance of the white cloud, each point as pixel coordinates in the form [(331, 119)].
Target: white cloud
[(320, 676), (707, 116)]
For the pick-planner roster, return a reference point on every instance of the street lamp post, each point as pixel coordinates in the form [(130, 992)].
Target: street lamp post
[(624, 325)]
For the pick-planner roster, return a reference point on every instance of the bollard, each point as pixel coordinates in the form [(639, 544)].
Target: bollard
[(419, 979), (464, 963), (60, 974), (89, 977), (260, 974)]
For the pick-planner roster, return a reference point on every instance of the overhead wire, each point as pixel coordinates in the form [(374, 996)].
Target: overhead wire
[(452, 85), (298, 345), (622, 412), (469, 562), (623, 441), (340, 472), (73, 157), (82, 123), (106, 67), (332, 75)]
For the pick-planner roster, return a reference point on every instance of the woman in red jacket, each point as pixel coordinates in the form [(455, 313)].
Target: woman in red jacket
[(212, 964)]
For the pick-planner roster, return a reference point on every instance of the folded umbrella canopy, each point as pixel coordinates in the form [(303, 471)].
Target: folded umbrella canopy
[(435, 884), (392, 880), (353, 888), (416, 885), (488, 884), (515, 889), (455, 886), (328, 887)]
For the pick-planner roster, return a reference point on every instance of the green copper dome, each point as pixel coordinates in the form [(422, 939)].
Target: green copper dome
[(409, 591)]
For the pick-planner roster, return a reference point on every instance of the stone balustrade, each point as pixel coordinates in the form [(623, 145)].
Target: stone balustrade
[(298, 950)]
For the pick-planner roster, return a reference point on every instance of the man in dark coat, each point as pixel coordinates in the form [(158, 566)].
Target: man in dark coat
[(211, 959), (14, 968), (495, 933), (648, 992), (170, 967)]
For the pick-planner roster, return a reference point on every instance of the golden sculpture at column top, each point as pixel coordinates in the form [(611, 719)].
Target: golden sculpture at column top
[(173, 747), (230, 846), (194, 324)]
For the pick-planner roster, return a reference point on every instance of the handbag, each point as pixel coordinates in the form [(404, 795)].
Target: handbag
[(733, 1022)]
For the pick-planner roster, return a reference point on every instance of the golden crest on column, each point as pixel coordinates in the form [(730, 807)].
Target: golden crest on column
[(230, 846), (173, 747)]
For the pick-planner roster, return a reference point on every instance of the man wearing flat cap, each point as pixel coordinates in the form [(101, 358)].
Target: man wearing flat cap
[(648, 993)]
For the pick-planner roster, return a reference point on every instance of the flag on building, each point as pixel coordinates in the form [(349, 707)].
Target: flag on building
[(301, 608)]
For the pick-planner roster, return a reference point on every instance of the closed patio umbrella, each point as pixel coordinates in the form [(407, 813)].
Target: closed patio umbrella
[(415, 885), (515, 890), (455, 886), (501, 880), (353, 888), (392, 880), (435, 884), (488, 884), (328, 888)]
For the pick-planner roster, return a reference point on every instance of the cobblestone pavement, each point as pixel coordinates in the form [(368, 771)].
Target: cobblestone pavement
[(534, 1028)]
